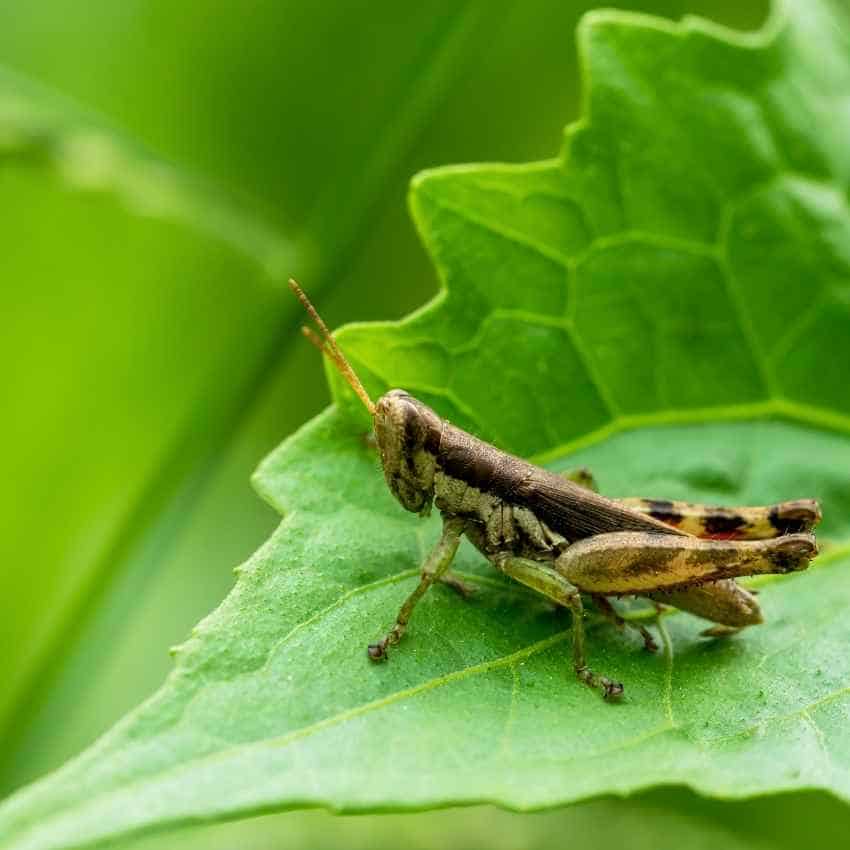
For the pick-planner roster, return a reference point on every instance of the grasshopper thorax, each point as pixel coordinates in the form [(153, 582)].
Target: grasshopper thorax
[(408, 436)]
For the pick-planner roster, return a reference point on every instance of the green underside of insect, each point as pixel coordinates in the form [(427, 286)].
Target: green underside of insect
[(556, 535)]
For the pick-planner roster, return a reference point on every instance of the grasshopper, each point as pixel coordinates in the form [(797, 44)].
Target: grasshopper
[(556, 535)]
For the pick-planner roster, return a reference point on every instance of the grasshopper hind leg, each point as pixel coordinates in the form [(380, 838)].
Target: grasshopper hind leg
[(725, 603), (644, 563), (689, 573), (737, 523), (797, 516)]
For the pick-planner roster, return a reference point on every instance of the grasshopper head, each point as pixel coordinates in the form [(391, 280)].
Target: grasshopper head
[(408, 433)]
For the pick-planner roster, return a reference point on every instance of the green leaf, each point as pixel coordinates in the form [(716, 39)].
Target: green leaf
[(666, 303)]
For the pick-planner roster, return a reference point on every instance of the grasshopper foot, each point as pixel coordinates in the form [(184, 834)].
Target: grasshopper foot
[(610, 689), (377, 651)]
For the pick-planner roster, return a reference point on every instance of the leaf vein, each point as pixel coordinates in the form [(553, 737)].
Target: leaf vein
[(668, 672)]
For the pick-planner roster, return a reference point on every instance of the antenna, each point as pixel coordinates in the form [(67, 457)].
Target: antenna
[(328, 346), (314, 339)]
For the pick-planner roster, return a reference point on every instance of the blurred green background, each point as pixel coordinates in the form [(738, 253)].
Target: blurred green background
[(150, 354)]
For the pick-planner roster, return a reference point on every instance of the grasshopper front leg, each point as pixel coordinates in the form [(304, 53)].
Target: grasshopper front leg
[(436, 565), (541, 576)]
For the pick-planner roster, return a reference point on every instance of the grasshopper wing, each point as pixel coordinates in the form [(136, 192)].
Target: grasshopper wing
[(576, 512)]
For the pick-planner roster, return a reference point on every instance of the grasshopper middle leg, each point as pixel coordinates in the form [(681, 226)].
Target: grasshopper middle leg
[(541, 576), (435, 568), (725, 603)]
